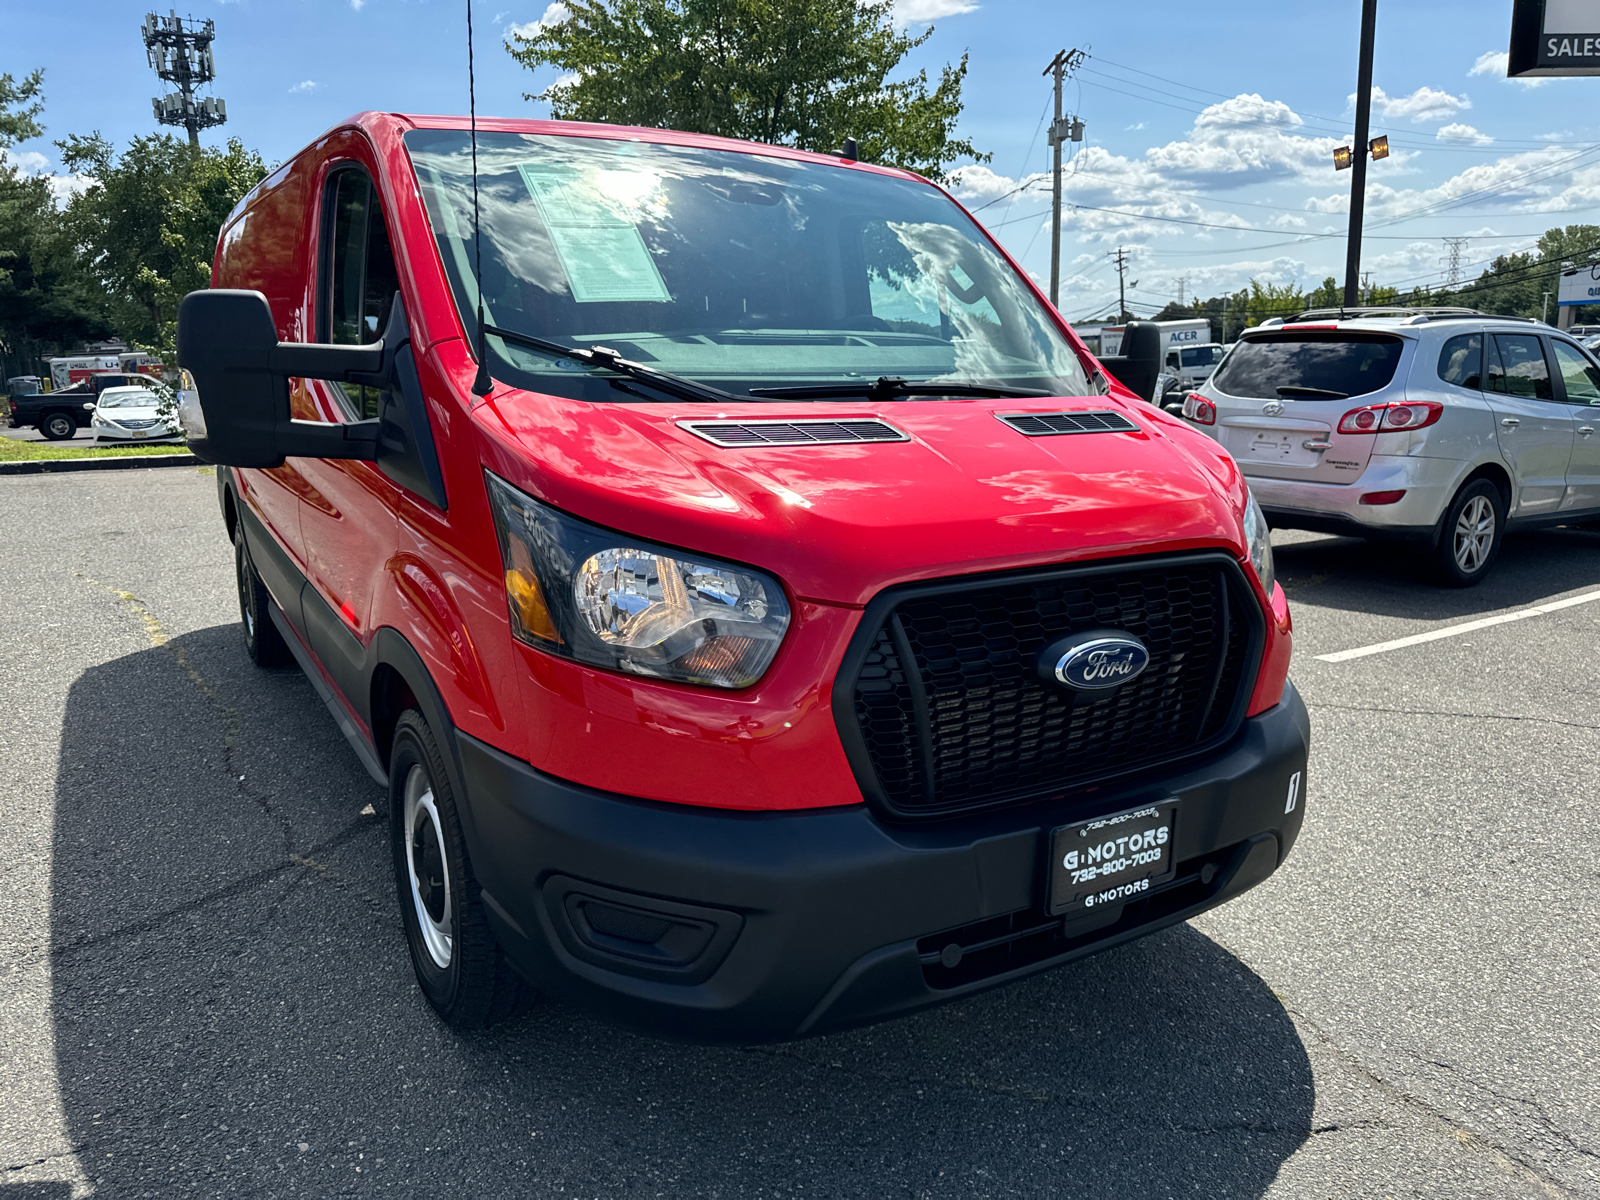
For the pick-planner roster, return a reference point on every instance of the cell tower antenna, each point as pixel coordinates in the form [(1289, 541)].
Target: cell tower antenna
[(179, 50), (1452, 261)]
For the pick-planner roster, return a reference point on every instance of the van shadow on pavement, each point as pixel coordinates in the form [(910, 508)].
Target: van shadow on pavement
[(234, 1012), (1394, 579)]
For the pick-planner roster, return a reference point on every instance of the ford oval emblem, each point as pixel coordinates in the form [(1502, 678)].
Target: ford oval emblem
[(1094, 661)]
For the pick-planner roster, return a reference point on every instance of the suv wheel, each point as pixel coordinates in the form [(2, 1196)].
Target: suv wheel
[(58, 427), (262, 641), (1469, 540), (459, 965)]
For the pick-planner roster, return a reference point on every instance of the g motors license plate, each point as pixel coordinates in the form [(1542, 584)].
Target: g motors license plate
[(1110, 860)]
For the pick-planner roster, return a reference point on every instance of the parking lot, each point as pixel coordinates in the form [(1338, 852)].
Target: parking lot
[(206, 986)]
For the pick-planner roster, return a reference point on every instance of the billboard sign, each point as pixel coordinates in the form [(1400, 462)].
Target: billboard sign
[(1554, 37), (1580, 286)]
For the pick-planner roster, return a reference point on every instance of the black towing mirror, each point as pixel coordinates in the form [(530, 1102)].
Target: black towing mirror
[(1139, 365), (227, 341)]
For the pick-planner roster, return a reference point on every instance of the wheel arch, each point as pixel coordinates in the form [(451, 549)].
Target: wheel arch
[(399, 680)]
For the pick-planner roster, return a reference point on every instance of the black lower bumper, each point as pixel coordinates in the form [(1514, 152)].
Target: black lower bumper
[(752, 927)]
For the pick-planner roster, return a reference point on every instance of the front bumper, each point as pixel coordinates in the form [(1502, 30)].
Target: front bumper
[(1428, 483), (781, 925), (115, 433)]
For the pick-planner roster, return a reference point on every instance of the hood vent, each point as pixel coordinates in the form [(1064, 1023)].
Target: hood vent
[(1045, 424), (805, 432)]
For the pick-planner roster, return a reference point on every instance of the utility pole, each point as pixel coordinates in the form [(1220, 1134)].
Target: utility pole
[(1358, 174), (1121, 259), (1061, 130), (1183, 282), (183, 56), (1366, 288), (1455, 245)]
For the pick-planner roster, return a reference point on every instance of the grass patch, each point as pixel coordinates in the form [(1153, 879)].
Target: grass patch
[(15, 451)]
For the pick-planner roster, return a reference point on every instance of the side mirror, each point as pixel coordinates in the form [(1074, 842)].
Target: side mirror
[(1139, 365), (227, 341)]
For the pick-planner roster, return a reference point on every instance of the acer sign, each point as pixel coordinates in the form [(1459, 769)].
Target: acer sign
[(1554, 37)]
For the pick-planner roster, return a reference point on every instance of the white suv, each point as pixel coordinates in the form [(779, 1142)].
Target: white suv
[(1445, 427)]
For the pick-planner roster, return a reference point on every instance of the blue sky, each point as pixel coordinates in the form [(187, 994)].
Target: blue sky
[(1199, 115)]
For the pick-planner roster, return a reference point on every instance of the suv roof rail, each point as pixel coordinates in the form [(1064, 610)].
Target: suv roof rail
[(1382, 310)]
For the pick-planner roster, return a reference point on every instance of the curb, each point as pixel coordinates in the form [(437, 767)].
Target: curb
[(42, 466)]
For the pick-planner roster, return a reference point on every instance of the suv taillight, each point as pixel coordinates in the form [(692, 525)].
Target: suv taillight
[(1199, 410), (1391, 418)]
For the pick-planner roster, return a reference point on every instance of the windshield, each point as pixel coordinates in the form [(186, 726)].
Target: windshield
[(1349, 364), (1201, 356), (738, 270), (135, 398)]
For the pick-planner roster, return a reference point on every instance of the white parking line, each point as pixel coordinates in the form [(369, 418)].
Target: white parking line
[(1449, 631)]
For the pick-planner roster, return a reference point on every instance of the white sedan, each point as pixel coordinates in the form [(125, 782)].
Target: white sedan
[(135, 414)]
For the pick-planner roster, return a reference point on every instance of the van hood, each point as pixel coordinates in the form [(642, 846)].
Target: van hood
[(966, 493)]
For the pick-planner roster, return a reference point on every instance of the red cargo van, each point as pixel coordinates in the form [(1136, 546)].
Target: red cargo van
[(785, 624)]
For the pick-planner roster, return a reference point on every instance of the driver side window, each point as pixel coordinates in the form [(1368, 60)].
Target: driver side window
[(1582, 377), (359, 279)]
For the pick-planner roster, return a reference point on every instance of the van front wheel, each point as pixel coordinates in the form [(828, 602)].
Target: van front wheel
[(458, 963), (262, 642)]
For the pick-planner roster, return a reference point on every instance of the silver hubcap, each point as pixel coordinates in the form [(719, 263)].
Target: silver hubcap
[(1474, 534), (426, 867)]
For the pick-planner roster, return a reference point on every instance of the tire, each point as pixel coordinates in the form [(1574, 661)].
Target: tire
[(263, 644), (58, 426), (1470, 535), (459, 965)]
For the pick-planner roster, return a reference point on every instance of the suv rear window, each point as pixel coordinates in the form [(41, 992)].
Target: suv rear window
[(1339, 363)]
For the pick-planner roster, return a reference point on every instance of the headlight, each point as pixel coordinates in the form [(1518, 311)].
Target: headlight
[(1259, 539), (590, 594)]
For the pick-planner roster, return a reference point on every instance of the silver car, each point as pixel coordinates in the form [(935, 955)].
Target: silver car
[(1443, 427)]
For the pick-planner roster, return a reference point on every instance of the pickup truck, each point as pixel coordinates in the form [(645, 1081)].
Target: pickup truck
[(58, 414)]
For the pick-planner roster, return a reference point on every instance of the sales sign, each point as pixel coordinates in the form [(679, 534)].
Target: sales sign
[(1580, 286), (1554, 37)]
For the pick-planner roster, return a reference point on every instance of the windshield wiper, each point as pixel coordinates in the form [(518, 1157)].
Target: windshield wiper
[(892, 387), (1325, 393), (611, 360)]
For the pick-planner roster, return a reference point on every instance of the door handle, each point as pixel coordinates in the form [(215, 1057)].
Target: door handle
[(1313, 444), (1585, 430), (1510, 422)]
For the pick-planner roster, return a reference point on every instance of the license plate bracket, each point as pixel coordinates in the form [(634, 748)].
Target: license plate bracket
[(1111, 859)]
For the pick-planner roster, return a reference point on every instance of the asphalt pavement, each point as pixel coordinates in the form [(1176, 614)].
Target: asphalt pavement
[(204, 987)]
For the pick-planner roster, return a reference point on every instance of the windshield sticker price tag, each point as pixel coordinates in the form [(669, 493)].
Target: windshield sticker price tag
[(605, 257)]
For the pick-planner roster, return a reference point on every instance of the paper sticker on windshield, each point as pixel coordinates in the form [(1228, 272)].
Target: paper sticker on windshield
[(605, 258)]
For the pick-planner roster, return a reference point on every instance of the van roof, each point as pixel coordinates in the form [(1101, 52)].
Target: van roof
[(630, 133)]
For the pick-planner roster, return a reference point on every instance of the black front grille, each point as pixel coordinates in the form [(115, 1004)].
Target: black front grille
[(949, 711)]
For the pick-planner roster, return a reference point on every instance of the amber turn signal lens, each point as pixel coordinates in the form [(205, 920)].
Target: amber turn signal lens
[(528, 606)]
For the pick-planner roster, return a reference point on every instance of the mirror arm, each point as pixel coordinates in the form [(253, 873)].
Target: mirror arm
[(338, 364), (320, 439)]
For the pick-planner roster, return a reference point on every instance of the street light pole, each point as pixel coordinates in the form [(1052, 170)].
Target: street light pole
[(1358, 158)]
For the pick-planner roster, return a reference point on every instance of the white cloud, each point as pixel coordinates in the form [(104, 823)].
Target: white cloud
[(1424, 104), (358, 5), (30, 162), (305, 85), (921, 12), (554, 14), (1134, 128), (1497, 63), (564, 81), (1458, 132)]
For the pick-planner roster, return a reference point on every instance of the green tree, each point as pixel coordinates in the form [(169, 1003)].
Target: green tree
[(147, 228), (20, 106), (46, 302), (803, 73)]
